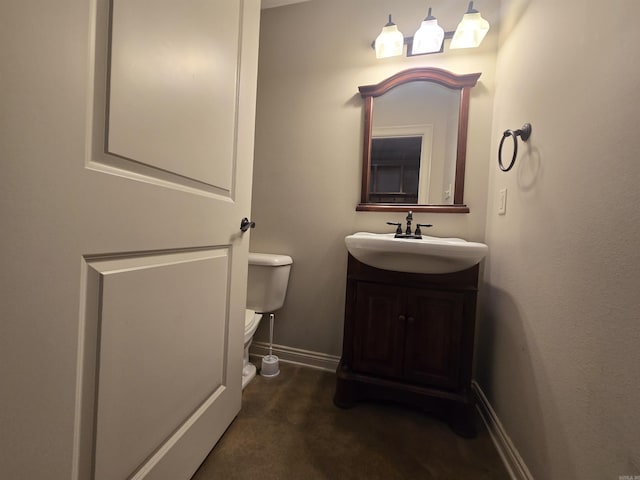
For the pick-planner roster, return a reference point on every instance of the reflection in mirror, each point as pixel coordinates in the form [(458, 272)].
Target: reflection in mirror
[(415, 141), (426, 134), (395, 169)]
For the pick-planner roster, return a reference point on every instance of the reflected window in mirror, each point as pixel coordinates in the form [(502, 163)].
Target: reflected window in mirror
[(415, 141)]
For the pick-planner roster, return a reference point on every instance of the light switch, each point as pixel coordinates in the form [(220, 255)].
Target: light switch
[(502, 201)]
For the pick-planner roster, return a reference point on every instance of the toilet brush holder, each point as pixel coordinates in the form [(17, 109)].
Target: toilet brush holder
[(270, 363), (270, 366)]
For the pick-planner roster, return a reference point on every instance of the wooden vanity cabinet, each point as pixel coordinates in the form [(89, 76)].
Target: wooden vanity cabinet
[(409, 338)]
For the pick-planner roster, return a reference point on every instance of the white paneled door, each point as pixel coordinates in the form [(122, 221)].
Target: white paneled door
[(127, 146)]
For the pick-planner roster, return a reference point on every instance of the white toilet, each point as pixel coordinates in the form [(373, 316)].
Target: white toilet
[(266, 290)]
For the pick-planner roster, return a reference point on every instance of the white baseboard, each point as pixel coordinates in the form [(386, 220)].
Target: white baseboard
[(512, 460), (297, 356)]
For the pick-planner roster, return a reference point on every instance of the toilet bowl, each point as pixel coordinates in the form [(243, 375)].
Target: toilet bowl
[(251, 322), (267, 282)]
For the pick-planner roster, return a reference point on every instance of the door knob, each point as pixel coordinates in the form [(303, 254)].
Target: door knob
[(246, 224)]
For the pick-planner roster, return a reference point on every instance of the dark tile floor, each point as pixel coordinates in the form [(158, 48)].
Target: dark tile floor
[(288, 428)]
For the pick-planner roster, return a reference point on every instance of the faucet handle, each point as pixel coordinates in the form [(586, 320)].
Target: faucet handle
[(418, 231), (398, 227)]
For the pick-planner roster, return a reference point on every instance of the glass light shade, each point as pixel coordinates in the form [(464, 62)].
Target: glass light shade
[(470, 32), (428, 38), (390, 41)]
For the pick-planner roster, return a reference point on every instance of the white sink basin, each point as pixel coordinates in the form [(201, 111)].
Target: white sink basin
[(427, 255)]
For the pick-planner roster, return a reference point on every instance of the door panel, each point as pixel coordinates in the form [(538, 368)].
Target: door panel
[(433, 349), (173, 69), (378, 330), (162, 341)]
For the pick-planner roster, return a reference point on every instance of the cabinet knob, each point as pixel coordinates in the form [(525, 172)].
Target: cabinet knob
[(402, 318), (411, 319)]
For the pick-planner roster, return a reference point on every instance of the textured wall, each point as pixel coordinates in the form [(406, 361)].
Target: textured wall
[(559, 342), (308, 155)]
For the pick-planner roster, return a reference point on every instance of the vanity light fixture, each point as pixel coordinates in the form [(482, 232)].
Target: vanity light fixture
[(429, 38), (390, 41)]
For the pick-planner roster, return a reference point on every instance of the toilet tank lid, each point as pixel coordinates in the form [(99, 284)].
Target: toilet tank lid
[(269, 259)]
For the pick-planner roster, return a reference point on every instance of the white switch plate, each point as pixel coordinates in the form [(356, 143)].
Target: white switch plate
[(502, 201)]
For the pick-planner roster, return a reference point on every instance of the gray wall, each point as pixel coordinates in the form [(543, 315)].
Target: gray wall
[(559, 348), (308, 154)]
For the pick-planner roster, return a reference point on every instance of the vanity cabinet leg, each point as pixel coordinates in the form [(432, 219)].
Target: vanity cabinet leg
[(345, 395)]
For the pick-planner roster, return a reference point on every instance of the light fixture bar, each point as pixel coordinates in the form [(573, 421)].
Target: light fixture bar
[(429, 38)]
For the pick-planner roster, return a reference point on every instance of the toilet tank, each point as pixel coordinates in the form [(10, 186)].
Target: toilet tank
[(267, 282)]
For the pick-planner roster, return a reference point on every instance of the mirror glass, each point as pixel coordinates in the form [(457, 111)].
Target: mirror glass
[(414, 145), (415, 137)]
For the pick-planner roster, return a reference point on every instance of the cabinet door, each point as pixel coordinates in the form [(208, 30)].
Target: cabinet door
[(378, 330), (433, 347)]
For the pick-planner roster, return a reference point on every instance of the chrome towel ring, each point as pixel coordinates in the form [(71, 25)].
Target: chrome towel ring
[(524, 133)]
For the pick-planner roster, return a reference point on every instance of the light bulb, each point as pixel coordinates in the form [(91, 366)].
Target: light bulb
[(428, 38), (471, 30), (390, 41)]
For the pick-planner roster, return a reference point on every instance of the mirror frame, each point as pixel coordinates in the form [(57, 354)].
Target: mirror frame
[(463, 83)]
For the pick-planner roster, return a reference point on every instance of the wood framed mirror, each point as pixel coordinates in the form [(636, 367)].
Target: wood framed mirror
[(415, 149)]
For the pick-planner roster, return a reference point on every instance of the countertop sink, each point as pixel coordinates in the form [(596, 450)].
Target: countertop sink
[(426, 255)]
